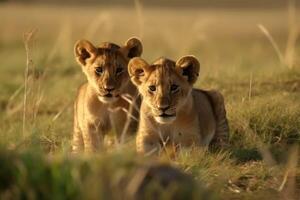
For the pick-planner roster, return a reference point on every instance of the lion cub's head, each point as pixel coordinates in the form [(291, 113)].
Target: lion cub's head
[(106, 66), (164, 85)]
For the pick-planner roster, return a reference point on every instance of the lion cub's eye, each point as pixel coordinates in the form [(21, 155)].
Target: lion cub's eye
[(152, 88), (119, 70), (99, 70), (174, 88)]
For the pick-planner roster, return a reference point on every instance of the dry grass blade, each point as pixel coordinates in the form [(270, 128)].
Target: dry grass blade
[(124, 110), (11, 99), (61, 111), (262, 147), (102, 21), (136, 181), (15, 94), (129, 117), (128, 98), (139, 12), (265, 31), (288, 58), (266, 154), (292, 34), (164, 144), (37, 102), (27, 38), (288, 185), (62, 44), (250, 86), (152, 152)]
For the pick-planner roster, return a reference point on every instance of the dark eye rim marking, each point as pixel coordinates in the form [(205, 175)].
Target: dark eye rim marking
[(119, 70), (99, 70), (152, 88), (174, 88)]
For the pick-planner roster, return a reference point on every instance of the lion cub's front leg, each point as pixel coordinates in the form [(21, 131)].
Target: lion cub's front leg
[(91, 121), (147, 139), (93, 135), (146, 142)]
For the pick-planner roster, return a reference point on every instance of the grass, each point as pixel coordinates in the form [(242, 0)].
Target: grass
[(262, 98)]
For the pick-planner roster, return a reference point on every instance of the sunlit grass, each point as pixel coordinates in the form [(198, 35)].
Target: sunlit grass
[(262, 99)]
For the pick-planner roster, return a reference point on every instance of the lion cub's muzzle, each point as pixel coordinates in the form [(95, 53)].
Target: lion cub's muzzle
[(109, 95), (164, 114)]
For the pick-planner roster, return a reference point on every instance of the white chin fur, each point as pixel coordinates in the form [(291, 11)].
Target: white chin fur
[(108, 99), (165, 120)]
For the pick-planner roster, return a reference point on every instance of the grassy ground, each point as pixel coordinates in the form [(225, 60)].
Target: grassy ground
[(262, 97)]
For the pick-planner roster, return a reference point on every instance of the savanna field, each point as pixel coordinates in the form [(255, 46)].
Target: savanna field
[(251, 55)]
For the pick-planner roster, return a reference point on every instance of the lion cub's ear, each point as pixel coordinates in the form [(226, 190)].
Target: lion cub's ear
[(188, 67), (84, 50), (133, 48), (137, 69)]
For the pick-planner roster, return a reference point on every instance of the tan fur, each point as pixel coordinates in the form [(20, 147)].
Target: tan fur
[(99, 106), (172, 111)]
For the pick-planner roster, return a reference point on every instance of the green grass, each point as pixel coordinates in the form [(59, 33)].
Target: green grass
[(31, 175), (264, 120)]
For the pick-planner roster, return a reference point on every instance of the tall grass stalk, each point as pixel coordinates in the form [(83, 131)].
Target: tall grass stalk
[(250, 86), (293, 33), (27, 38), (10, 109), (288, 185), (288, 57), (101, 22), (265, 31), (129, 116), (139, 12), (62, 42)]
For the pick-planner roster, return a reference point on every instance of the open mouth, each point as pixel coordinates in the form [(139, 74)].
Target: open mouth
[(108, 95), (164, 115), (108, 98)]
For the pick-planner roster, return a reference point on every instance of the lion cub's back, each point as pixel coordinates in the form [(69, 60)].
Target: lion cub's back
[(217, 108), (206, 117)]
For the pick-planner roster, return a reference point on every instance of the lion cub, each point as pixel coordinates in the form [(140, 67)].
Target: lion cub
[(102, 103), (172, 111)]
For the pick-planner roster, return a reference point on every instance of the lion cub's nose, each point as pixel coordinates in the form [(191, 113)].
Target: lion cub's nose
[(109, 89), (163, 108)]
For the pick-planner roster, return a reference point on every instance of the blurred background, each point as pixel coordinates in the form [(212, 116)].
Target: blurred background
[(168, 28)]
